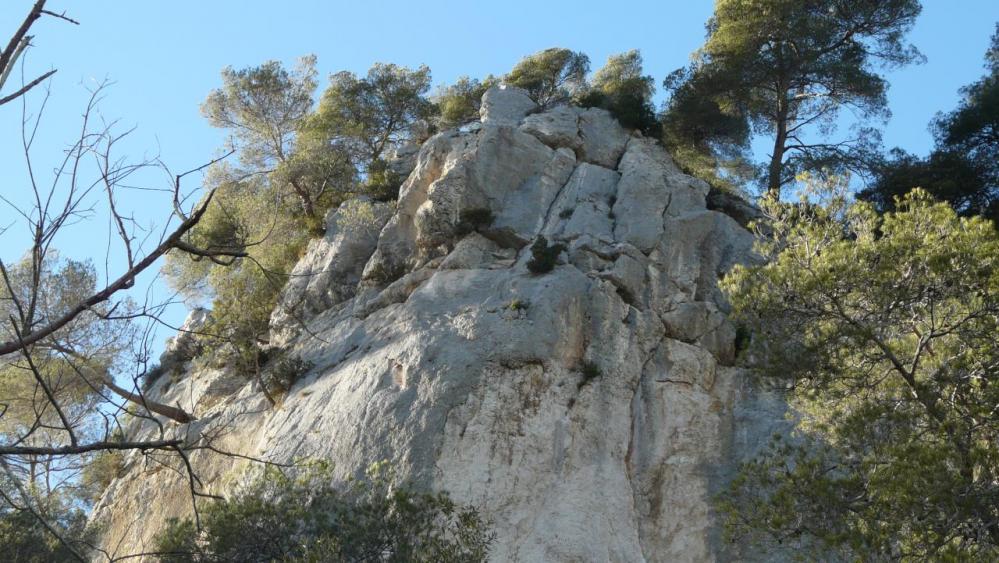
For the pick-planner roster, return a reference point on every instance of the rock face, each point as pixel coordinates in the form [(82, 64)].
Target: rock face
[(434, 347)]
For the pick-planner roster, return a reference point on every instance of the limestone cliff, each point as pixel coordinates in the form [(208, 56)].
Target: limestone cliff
[(590, 411)]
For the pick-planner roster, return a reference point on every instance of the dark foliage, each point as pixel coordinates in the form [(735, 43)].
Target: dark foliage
[(307, 519), (543, 256), (963, 169), (948, 176), (473, 219)]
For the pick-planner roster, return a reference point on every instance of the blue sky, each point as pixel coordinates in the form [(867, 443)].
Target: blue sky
[(164, 57)]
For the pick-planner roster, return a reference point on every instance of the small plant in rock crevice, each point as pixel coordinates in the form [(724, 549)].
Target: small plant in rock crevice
[(283, 371), (519, 305), (589, 371), (473, 219), (383, 274), (543, 256)]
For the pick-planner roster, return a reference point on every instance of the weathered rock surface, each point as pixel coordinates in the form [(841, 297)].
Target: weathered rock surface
[(329, 272), (505, 105), (434, 347), (184, 347)]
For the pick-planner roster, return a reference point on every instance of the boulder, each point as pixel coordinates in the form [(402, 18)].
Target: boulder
[(505, 105)]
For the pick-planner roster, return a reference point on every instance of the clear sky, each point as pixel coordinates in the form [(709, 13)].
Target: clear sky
[(165, 56)]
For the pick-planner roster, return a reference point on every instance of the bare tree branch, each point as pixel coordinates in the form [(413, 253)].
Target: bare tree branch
[(93, 447)]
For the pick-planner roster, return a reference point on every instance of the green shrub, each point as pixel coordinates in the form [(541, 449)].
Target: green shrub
[(551, 76), (151, 376), (474, 219), (24, 538), (308, 519), (384, 274), (519, 305), (293, 164), (100, 470), (620, 88), (382, 184), (283, 371), (459, 102), (252, 216), (543, 256)]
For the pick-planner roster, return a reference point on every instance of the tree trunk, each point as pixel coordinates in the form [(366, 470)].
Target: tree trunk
[(303, 194), (776, 167), (173, 413)]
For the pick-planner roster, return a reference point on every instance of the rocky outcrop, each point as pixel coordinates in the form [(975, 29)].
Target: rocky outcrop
[(589, 412), (329, 272)]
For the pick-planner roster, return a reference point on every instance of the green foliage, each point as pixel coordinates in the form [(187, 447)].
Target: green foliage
[(707, 139), (948, 176), (102, 468), (382, 184), (543, 256), (26, 540), (963, 169), (459, 102), (24, 537), (620, 88), (787, 66), (519, 305), (72, 365), (551, 76), (262, 219), (262, 107), (293, 167), (264, 209), (283, 371), (973, 128), (368, 115), (385, 275), (152, 375), (308, 519), (883, 329), (321, 174)]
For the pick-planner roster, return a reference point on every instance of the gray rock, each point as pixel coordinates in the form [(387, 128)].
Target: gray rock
[(402, 161), (331, 268), (584, 205), (435, 348), (184, 346), (701, 323), (556, 128), (505, 105), (603, 138)]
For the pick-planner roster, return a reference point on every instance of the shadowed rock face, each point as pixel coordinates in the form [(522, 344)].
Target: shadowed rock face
[(434, 347)]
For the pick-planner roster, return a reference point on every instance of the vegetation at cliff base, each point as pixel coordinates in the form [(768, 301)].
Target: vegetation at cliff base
[(306, 518)]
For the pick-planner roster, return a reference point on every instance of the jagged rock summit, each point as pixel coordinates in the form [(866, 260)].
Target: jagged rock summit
[(589, 411)]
